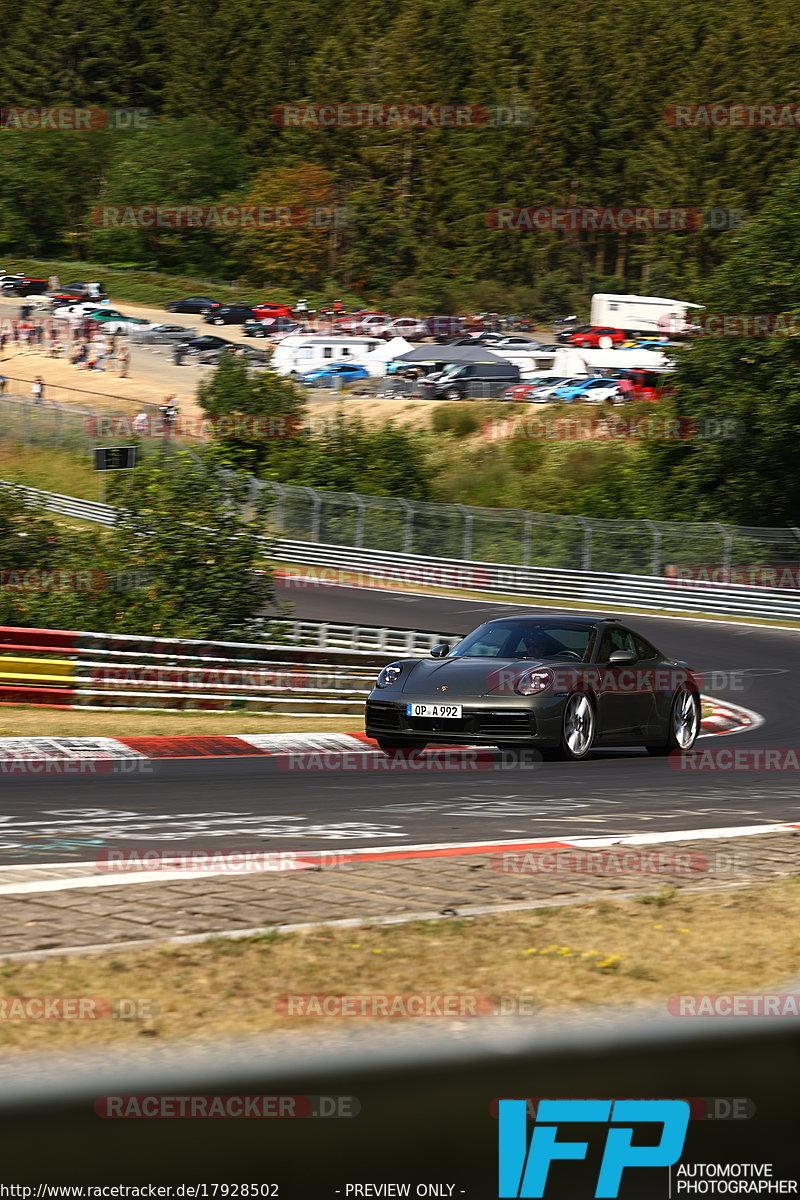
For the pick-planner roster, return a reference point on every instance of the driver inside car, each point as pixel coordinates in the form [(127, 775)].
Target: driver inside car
[(537, 644)]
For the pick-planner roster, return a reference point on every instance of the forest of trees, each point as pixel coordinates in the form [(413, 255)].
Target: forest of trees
[(591, 83)]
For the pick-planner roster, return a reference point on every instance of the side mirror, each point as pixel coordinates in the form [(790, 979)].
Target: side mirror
[(441, 650), (622, 658)]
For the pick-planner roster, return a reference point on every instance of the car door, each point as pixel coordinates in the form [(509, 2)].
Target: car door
[(624, 697)]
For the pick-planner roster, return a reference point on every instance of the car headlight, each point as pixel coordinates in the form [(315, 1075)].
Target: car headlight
[(389, 675), (530, 683)]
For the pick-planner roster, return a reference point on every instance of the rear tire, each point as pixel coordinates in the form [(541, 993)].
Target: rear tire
[(683, 728)]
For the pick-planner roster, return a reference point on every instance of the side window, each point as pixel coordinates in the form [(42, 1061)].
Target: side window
[(327, 352), (643, 649), (616, 639)]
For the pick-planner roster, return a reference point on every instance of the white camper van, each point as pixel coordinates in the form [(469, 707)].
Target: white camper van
[(641, 314), (299, 352)]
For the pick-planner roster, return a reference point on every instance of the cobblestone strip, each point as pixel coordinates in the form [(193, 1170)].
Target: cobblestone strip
[(86, 917)]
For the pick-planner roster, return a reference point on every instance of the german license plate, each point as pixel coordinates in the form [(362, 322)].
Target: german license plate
[(434, 710)]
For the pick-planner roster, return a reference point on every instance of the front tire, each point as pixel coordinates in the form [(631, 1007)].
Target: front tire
[(453, 394), (578, 727), (683, 728)]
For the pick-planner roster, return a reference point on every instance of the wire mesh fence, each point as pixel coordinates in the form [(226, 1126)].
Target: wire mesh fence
[(499, 535)]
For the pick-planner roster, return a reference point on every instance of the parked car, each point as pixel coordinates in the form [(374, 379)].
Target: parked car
[(204, 341), (229, 314), (165, 335), (460, 381), (538, 391), (328, 375), (88, 291), (261, 311), (191, 304), (271, 327), (509, 341), (597, 337), (25, 286), (587, 391), (255, 358), (111, 321), (639, 385), (77, 308), (442, 328)]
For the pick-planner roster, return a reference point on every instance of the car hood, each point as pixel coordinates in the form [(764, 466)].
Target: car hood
[(464, 676)]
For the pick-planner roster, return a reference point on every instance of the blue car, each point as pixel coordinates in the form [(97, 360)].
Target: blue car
[(326, 376), (591, 390)]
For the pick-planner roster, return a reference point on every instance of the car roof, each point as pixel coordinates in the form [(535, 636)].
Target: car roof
[(562, 618)]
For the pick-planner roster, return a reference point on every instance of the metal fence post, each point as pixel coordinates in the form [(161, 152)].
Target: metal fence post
[(316, 519), (468, 519), (526, 539), (278, 520), (360, 521), (408, 525), (727, 542), (586, 548), (655, 563)]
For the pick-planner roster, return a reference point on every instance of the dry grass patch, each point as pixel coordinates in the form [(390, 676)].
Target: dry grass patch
[(37, 721), (628, 952)]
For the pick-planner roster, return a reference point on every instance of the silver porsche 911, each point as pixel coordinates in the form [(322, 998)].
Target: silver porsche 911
[(560, 684)]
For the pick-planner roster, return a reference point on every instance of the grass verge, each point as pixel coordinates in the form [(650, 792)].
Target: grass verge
[(142, 286), (624, 952), (36, 721)]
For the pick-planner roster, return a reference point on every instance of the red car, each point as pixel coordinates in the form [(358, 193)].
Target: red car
[(647, 386), (520, 391), (272, 310), (598, 337)]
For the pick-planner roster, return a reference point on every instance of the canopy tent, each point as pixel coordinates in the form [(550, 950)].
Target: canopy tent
[(375, 361), (450, 354)]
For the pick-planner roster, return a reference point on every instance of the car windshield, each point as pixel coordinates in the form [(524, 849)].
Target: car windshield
[(527, 639)]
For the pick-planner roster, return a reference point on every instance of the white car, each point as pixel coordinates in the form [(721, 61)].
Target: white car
[(79, 309), (512, 341), (543, 394)]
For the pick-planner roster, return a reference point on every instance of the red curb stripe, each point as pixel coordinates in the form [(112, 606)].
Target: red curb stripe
[(224, 746), (440, 852)]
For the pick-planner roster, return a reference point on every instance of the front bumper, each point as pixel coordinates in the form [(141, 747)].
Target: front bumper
[(482, 724)]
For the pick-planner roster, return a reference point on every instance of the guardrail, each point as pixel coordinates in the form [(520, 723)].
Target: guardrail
[(588, 588), (328, 674), (417, 1106)]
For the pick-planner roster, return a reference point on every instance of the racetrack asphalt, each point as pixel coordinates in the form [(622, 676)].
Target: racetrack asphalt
[(260, 804)]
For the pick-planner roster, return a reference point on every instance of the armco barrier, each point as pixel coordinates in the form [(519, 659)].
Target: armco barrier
[(589, 588), (426, 1113), (328, 675)]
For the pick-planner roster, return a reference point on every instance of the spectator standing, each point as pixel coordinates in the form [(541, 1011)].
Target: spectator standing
[(37, 390), (123, 361)]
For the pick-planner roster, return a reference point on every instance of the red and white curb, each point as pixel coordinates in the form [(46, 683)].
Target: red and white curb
[(26, 751)]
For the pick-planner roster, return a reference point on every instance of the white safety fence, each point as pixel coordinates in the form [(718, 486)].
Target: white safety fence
[(588, 588)]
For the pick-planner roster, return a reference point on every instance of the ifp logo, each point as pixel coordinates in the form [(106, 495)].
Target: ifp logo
[(524, 1170)]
